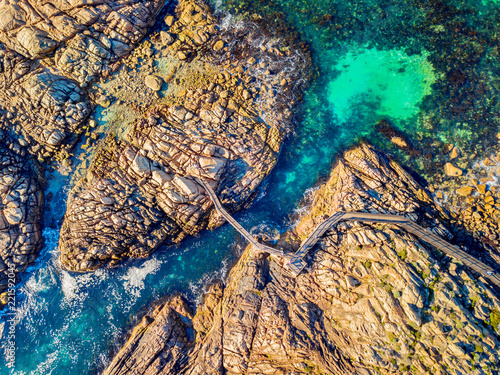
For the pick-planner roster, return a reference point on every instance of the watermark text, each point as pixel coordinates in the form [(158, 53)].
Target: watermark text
[(10, 333)]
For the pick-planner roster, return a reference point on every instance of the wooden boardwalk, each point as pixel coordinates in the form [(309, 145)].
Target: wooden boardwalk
[(296, 261), (237, 225)]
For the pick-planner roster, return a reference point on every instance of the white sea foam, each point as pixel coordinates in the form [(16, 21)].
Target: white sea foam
[(69, 287), (49, 250), (46, 367), (307, 200), (198, 288), (74, 286), (135, 276), (39, 277), (226, 22)]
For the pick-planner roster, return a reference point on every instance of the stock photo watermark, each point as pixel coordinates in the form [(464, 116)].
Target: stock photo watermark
[(10, 328)]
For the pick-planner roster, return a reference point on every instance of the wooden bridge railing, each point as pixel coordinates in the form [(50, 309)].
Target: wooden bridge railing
[(296, 261)]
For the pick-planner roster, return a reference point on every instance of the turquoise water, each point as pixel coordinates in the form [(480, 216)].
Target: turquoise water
[(395, 82), (372, 60)]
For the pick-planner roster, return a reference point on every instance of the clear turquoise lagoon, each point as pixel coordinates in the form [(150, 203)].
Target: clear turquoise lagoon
[(402, 61), (392, 81)]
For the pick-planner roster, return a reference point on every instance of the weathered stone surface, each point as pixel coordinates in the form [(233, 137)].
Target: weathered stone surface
[(373, 298), (49, 51), (154, 82), (84, 38), (167, 328), (451, 170), (209, 130), (21, 205), (43, 109), (465, 191), (82, 41)]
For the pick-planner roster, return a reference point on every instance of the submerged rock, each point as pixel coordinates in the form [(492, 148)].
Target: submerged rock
[(451, 170), (208, 126), (153, 82), (372, 299)]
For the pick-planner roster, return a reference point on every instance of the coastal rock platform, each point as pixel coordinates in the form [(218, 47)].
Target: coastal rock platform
[(373, 298), (224, 117)]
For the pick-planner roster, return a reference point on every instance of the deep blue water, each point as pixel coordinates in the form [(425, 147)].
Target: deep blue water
[(68, 323)]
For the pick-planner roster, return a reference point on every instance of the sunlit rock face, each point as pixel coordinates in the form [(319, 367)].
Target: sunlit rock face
[(42, 108), (372, 299), (81, 38), (224, 120), (49, 52)]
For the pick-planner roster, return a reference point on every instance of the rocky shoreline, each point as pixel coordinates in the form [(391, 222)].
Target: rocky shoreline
[(49, 53), (205, 97), (224, 115), (225, 121), (373, 299), (20, 228)]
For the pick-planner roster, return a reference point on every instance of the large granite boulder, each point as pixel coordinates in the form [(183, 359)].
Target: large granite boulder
[(373, 298), (43, 109), (21, 205), (225, 123)]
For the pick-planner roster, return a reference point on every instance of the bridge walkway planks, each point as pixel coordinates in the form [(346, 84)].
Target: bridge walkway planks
[(296, 261)]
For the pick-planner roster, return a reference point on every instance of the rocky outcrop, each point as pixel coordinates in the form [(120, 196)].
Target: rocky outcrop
[(49, 53), (225, 122), (81, 39), (43, 109), (169, 327), (373, 299), (81, 42), (475, 204), (21, 204)]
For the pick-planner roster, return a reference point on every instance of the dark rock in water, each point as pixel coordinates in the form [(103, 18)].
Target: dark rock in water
[(225, 123), (20, 213), (372, 299)]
